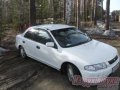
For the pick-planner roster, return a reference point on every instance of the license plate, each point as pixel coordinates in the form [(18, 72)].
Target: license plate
[(115, 67)]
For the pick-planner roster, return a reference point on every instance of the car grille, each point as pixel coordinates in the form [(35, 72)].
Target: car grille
[(113, 60)]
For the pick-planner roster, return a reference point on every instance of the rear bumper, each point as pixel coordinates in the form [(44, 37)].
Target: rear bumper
[(99, 76)]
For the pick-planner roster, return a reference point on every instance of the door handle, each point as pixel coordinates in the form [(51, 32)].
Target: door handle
[(23, 41), (37, 47)]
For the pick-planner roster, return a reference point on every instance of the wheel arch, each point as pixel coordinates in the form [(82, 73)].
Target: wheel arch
[(19, 46), (63, 68)]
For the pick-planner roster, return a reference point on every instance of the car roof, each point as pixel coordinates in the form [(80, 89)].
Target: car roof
[(52, 27)]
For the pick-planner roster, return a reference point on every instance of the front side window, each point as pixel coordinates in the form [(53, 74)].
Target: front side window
[(70, 37)]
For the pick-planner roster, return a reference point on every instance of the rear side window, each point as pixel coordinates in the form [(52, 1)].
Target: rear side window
[(39, 36), (30, 35)]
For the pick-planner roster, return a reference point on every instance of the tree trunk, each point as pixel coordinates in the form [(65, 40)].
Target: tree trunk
[(84, 9), (107, 14), (95, 12), (0, 13), (102, 11), (92, 10), (78, 14), (64, 9), (32, 12), (68, 11), (56, 10), (0, 21), (75, 12)]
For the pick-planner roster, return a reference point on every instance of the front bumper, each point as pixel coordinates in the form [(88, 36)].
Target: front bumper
[(99, 76)]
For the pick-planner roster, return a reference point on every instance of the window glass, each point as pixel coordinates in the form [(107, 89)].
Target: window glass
[(70, 37), (42, 37), (29, 34)]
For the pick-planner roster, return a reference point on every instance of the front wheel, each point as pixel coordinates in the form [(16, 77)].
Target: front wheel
[(72, 71)]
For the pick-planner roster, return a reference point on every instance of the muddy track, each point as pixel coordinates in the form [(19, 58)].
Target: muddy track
[(27, 74), (14, 71)]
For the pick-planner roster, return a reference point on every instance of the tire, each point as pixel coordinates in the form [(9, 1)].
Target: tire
[(72, 71), (22, 53)]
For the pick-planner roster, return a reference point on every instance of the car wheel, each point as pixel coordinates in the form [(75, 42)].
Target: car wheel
[(22, 52), (72, 71)]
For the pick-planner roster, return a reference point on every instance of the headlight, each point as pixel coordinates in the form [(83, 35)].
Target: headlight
[(96, 67)]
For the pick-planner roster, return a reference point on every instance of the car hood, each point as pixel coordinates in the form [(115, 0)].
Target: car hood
[(93, 52)]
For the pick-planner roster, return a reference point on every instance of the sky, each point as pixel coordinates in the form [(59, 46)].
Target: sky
[(115, 5)]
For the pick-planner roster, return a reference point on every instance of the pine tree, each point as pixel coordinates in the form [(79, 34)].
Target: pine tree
[(32, 12), (107, 14)]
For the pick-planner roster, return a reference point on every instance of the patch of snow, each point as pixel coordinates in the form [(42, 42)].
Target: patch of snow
[(101, 25), (95, 31), (110, 33), (2, 50)]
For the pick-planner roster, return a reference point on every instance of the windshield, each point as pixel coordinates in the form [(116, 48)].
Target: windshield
[(70, 37)]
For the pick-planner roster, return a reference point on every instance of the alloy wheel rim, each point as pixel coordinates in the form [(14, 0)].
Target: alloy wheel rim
[(70, 73)]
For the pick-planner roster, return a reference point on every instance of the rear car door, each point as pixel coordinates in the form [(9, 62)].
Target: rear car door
[(29, 43)]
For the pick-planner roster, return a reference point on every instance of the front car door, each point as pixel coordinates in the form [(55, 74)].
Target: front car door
[(48, 55)]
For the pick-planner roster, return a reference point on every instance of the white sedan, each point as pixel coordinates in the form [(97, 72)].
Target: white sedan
[(66, 48)]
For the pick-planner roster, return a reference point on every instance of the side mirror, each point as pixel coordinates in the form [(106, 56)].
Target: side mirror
[(50, 44)]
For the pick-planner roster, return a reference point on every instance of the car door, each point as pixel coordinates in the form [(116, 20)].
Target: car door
[(48, 55), (29, 43)]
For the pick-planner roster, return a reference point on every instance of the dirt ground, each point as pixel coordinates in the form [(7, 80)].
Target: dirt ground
[(27, 74)]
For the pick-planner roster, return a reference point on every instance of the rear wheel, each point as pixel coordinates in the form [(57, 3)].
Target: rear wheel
[(22, 52), (72, 71)]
